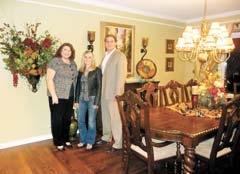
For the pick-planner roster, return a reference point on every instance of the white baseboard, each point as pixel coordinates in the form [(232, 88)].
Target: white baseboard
[(25, 141)]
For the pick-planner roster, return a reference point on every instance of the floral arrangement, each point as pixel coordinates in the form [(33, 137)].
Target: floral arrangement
[(212, 90), (27, 53)]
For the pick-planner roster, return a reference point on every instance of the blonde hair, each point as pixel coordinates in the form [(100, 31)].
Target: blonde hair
[(93, 64)]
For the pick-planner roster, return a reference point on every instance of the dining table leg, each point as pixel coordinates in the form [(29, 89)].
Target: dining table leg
[(189, 160)]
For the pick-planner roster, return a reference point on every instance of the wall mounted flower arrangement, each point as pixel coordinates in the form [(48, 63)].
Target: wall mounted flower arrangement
[(27, 53)]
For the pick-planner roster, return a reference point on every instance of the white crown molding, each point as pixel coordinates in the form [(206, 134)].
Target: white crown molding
[(126, 9), (98, 13), (99, 3)]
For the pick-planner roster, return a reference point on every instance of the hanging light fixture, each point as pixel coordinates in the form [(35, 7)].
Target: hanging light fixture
[(209, 47)]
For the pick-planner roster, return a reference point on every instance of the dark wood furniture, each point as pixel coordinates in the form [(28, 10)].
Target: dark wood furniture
[(137, 138), (169, 125), (149, 93), (226, 142), (134, 85)]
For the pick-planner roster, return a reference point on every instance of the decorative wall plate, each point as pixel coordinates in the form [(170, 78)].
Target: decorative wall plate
[(146, 68)]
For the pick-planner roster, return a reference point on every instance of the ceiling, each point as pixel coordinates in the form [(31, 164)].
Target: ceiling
[(179, 10)]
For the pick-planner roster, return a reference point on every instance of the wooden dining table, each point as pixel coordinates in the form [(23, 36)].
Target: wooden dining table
[(167, 124)]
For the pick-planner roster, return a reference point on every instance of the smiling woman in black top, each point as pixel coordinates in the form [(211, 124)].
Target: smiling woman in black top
[(88, 95)]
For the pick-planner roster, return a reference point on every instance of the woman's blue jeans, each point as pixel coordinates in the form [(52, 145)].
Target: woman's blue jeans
[(87, 124)]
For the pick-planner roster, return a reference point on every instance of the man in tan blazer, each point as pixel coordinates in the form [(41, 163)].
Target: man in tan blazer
[(114, 69)]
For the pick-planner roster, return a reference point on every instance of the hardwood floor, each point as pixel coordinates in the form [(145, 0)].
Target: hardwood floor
[(43, 158)]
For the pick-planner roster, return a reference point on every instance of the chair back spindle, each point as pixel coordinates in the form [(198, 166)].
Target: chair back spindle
[(171, 93)]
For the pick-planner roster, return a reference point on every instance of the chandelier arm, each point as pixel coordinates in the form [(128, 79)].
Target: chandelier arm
[(181, 56), (229, 54), (215, 56), (218, 58), (186, 55)]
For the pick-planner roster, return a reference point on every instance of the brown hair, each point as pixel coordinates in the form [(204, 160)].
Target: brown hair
[(58, 53), (110, 35)]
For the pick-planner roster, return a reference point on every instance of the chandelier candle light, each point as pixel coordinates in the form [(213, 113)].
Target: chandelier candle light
[(207, 49), (91, 39), (145, 42), (144, 45)]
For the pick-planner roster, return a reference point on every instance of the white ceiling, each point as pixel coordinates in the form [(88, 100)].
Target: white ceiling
[(178, 10)]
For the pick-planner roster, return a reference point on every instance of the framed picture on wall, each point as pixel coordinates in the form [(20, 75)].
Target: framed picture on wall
[(169, 64), (169, 46), (125, 41)]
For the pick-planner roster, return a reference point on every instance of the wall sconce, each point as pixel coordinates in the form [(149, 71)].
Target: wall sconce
[(144, 45), (91, 39)]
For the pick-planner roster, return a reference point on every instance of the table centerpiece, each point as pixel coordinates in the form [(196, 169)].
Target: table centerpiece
[(212, 92)]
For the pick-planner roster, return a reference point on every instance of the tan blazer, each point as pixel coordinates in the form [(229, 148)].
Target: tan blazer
[(114, 76)]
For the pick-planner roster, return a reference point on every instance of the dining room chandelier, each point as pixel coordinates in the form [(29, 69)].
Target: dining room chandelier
[(207, 47)]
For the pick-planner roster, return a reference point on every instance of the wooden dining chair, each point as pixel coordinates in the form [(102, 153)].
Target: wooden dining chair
[(226, 142), (188, 89), (171, 93), (137, 138), (149, 93)]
